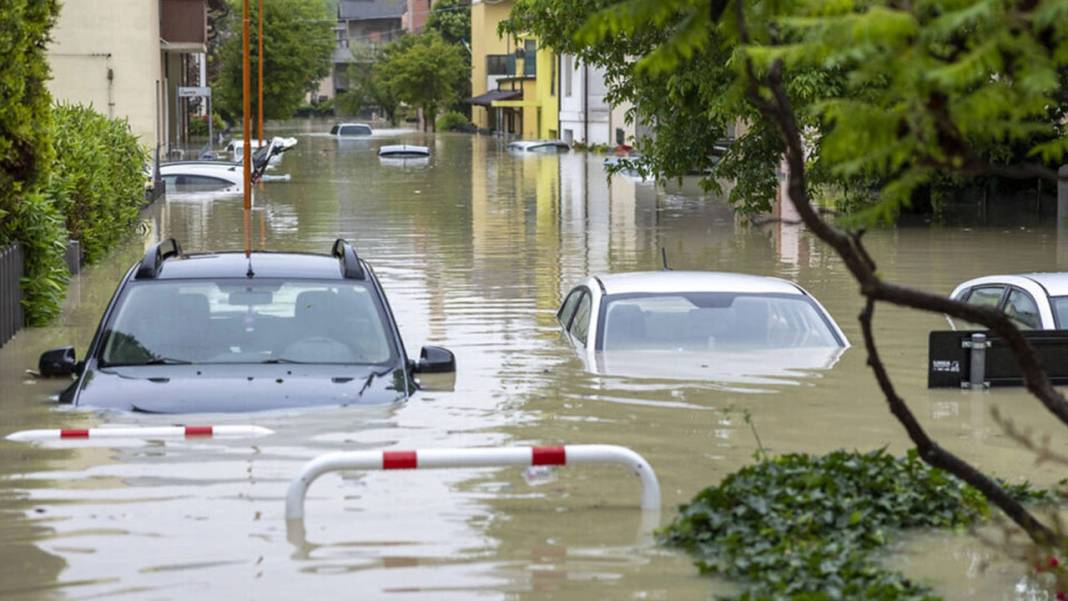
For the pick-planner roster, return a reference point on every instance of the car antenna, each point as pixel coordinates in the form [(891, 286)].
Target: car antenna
[(249, 274), (663, 257)]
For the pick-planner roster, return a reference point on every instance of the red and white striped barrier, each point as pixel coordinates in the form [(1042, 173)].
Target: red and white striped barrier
[(141, 433), (461, 458)]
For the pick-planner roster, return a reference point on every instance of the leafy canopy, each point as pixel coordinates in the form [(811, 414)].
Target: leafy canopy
[(451, 19), (892, 96), (298, 43), (424, 71)]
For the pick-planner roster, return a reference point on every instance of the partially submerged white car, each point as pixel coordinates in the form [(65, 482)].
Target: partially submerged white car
[(542, 146), (346, 130), (236, 149), (1034, 301), (622, 320), (218, 177)]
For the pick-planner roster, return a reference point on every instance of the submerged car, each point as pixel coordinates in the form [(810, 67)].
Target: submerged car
[(226, 332), (542, 146), (403, 151), (236, 149), (630, 319), (1034, 301), (182, 177), (343, 130)]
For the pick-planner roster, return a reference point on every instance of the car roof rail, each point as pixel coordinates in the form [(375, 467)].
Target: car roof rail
[(350, 261), (155, 256)]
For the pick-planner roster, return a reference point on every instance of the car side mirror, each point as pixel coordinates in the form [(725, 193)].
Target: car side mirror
[(57, 362), (435, 360)]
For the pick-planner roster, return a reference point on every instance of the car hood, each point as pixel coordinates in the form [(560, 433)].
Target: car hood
[(238, 388)]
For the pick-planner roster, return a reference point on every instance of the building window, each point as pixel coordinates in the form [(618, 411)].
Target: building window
[(499, 64), (530, 58), (567, 68)]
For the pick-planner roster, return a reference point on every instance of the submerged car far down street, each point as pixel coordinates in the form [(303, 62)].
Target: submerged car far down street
[(226, 177), (222, 332), (344, 130), (628, 323), (1034, 301), (542, 146)]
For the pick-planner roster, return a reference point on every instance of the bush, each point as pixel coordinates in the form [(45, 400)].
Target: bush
[(44, 239), (454, 121), (26, 154), (318, 109), (97, 181), (198, 125), (799, 526)]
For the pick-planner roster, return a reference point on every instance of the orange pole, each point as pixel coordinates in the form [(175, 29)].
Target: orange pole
[(247, 142), (259, 64)]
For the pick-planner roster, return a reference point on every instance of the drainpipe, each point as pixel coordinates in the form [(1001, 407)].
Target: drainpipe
[(586, 103)]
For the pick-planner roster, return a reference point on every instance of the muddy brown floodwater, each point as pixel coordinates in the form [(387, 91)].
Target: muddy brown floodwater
[(475, 248)]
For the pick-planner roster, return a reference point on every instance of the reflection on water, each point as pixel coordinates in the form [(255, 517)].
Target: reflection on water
[(742, 370), (474, 250)]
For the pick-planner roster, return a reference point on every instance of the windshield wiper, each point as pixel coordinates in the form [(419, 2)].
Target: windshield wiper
[(152, 361), (166, 361), (283, 360)]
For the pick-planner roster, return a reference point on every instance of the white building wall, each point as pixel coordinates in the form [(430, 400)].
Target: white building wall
[(92, 38), (586, 102)]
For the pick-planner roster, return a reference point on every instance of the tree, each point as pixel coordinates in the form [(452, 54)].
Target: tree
[(298, 42), (424, 71), (451, 19), (925, 88), (368, 88), (686, 105)]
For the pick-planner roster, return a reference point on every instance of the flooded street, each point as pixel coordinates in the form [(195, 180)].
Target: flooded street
[(475, 249)]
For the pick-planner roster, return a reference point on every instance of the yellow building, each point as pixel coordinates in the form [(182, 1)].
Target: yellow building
[(513, 80)]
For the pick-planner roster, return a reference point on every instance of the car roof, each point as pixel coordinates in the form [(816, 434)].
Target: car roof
[(222, 265), (532, 143), (1055, 283), (695, 281)]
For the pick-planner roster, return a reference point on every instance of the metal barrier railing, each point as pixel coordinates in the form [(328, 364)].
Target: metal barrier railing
[(140, 433), (467, 458)]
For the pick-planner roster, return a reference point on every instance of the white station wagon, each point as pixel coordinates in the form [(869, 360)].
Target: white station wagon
[(1035, 301), (694, 311)]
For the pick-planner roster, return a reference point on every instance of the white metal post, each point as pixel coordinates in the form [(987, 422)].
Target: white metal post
[(465, 458)]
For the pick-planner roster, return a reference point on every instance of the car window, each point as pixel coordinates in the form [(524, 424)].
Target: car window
[(712, 320), (355, 130), (1060, 311), (580, 325), (232, 321), (181, 183), (1022, 309), (986, 296), (567, 309)]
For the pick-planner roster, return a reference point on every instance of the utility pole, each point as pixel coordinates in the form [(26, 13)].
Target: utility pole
[(259, 65), (246, 163)]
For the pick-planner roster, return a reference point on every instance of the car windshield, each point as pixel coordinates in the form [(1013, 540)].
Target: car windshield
[(714, 320), (239, 321)]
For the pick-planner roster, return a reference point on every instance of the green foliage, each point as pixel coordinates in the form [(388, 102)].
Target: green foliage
[(799, 526), (451, 19), (298, 44), (454, 121), (423, 71), (893, 97), (39, 226), (98, 179), (318, 109), (26, 155), (368, 87), (198, 125)]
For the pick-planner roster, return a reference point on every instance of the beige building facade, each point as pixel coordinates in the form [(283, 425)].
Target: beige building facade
[(126, 58)]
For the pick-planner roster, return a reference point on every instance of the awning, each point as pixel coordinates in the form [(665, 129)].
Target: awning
[(488, 98)]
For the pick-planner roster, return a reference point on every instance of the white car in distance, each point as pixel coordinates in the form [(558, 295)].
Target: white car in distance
[(1034, 301)]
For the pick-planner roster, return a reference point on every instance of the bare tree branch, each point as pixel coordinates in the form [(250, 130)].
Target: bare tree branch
[(779, 110)]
